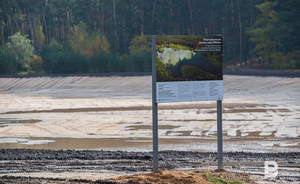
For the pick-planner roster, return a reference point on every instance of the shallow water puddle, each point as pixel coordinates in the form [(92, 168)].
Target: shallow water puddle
[(12, 122), (231, 144), (25, 141)]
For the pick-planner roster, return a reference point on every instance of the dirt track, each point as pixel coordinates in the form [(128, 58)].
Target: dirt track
[(58, 166)]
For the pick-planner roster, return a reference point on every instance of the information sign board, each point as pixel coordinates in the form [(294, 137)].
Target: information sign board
[(189, 68)]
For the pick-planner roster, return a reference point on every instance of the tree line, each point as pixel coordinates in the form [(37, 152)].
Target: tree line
[(69, 36)]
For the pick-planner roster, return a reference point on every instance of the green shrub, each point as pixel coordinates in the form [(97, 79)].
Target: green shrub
[(20, 47), (8, 63), (63, 61), (36, 63), (140, 62), (57, 59)]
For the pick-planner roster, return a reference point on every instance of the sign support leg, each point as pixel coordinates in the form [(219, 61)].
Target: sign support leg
[(155, 138), (219, 132), (154, 107)]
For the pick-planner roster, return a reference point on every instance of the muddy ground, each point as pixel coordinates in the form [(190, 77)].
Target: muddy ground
[(98, 166)]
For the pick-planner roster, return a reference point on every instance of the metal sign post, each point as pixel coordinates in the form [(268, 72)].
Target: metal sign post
[(154, 107), (219, 132)]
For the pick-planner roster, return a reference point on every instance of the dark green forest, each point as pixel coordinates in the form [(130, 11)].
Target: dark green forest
[(93, 36)]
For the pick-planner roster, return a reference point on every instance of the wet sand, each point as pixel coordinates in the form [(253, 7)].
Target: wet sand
[(259, 114)]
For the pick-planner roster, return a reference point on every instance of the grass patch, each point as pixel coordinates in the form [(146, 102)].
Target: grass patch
[(219, 180)]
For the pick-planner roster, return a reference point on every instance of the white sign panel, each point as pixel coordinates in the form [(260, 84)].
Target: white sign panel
[(189, 91)]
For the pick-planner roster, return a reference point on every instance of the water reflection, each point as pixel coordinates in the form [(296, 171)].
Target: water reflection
[(249, 144), (172, 56)]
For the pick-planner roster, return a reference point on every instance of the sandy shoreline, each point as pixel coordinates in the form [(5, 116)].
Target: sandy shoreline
[(43, 111)]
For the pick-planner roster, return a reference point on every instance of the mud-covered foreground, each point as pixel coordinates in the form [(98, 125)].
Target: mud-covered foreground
[(97, 166)]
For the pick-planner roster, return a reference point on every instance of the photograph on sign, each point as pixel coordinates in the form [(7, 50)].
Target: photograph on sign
[(189, 68)]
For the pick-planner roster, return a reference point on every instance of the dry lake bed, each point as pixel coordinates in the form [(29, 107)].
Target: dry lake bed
[(260, 114)]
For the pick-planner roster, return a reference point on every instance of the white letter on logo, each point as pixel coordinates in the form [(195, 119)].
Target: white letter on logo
[(271, 172)]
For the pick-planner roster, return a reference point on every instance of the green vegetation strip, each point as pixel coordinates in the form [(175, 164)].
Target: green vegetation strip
[(219, 180)]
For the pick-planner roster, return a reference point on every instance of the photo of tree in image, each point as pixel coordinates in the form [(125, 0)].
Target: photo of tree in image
[(181, 58)]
